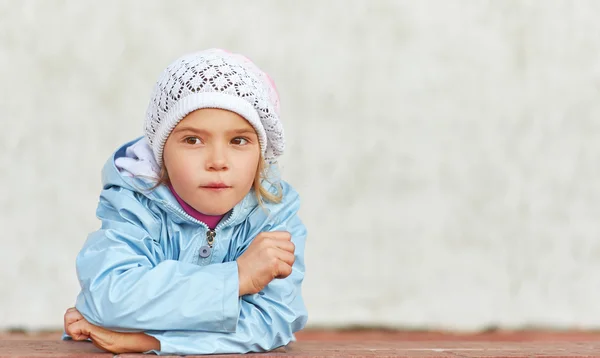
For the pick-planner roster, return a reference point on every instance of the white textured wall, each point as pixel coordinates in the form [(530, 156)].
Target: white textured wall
[(447, 151)]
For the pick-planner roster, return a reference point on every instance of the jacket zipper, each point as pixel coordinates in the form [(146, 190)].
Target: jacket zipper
[(210, 233)]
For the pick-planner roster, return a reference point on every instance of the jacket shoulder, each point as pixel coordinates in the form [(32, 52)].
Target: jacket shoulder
[(125, 205)]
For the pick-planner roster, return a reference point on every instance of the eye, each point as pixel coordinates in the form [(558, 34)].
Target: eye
[(239, 141), (192, 140)]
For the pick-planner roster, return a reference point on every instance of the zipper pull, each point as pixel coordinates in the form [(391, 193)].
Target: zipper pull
[(205, 250), (210, 237)]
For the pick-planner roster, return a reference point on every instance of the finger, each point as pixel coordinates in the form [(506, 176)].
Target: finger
[(65, 322), (71, 317), (66, 315), (286, 257), (285, 245), (79, 330), (277, 235), (281, 242), (284, 270)]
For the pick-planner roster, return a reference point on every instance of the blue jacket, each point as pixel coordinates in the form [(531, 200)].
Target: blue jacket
[(141, 271)]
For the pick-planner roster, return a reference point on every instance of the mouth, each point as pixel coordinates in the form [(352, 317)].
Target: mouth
[(215, 186)]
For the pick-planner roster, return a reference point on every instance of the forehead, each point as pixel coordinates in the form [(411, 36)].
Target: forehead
[(214, 119)]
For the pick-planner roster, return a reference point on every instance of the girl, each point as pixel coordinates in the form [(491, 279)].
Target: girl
[(201, 249)]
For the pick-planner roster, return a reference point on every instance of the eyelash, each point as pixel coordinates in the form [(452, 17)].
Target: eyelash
[(186, 140), (243, 138)]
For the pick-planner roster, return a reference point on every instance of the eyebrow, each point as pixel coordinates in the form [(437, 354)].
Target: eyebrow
[(190, 129), (202, 131), (242, 131)]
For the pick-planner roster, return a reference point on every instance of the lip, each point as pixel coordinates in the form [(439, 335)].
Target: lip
[(215, 186)]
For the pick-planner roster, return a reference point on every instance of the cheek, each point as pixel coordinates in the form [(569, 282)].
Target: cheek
[(180, 174), (248, 167)]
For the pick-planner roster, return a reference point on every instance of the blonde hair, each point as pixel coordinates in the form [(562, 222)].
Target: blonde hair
[(262, 194), (260, 191)]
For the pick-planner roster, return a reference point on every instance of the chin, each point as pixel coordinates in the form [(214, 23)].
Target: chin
[(215, 211)]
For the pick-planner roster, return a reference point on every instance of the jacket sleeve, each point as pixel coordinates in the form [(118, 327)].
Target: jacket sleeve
[(128, 284), (267, 320)]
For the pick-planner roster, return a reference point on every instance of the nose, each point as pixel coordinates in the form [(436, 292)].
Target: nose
[(216, 159)]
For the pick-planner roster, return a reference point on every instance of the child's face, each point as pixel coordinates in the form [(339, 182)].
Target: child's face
[(211, 157)]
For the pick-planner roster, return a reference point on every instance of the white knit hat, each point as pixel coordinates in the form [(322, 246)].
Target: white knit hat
[(215, 79)]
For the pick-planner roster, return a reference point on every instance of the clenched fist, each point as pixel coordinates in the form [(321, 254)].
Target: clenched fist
[(269, 256)]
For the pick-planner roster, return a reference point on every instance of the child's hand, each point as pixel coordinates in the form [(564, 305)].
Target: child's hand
[(79, 332), (269, 256), (80, 329)]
